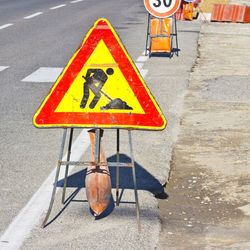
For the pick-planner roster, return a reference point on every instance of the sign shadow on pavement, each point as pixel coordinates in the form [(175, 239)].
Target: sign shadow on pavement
[(145, 181)]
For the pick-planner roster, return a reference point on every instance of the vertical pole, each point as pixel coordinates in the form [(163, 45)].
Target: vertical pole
[(117, 168), (176, 40), (161, 26), (134, 179), (56, 179), (67, 166), (147, 35), (171, 34), (97, 144)]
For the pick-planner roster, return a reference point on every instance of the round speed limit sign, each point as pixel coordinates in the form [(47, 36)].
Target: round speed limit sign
[(162, 8)]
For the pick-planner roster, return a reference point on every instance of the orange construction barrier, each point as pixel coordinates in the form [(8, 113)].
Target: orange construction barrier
[(243, 14), (188, 9), (230, 13), (161, 35), (217, 12), (160, 27)]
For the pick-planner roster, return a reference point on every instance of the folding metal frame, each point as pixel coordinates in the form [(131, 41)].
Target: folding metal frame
[(96, 162), (173, 34)]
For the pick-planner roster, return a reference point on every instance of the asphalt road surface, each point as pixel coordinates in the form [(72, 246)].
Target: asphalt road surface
[(37, 39)]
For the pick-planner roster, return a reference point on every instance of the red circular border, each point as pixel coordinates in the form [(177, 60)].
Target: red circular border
[(165, 14)]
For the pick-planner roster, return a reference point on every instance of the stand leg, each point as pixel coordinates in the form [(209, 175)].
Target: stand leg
[(67, 166), (117, 168), (176, 39), (171, 37), (56, 180), (134, 179), (147, 35)]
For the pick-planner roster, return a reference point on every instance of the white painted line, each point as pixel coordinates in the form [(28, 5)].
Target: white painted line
[(29, 216), (76, 1), (143, 72), (33, 15), (6, 26), (2, 68), (142, 59), (44, 74), (57, 7), (139, 65)]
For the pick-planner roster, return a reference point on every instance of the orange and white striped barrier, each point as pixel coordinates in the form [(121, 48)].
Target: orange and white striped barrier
[(230, 13)]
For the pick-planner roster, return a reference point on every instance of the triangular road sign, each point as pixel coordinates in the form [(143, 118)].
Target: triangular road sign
[(100, 88)]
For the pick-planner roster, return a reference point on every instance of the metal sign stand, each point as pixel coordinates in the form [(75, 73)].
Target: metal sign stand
[(96, 162), (173, 33)]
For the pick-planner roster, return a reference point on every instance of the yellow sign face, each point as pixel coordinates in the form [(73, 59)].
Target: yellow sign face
[(116, 86)]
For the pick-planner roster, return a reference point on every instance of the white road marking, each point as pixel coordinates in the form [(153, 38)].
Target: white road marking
[(2, 68), (139, 65), (44, 74), (76, 1), (142, 59), (57, 7), (33, 15), (6, 26), (143, 72), (29, 216)]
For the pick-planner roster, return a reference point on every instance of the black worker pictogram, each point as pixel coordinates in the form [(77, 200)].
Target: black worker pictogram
[(95, 80)]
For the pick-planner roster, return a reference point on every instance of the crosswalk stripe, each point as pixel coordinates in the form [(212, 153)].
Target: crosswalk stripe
[(142, 59), (44, 74), (142, 71), (50, 74), (2, 68), (76, 1)]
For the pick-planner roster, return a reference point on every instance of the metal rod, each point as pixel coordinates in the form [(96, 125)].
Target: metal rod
[(56, 179), (147, 35), (150, 37), (67, 166), (117, 167), (168, 36), (176, 39), (161, 24), (99, 163), (97, 144), (134, 179)]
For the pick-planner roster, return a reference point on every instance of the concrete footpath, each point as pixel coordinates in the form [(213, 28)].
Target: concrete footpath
[(208, 204)]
